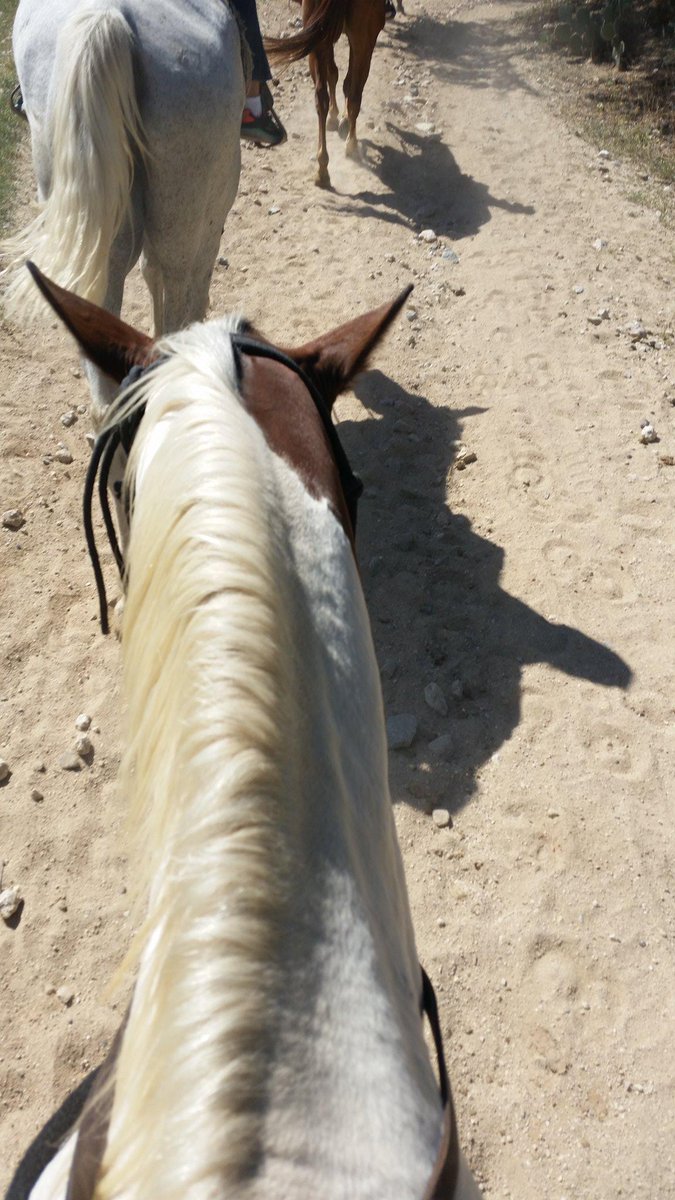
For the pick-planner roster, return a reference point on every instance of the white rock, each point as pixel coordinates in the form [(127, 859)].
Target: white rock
[(65, 995), (444, 746), (84, 746), (427, 235), (401, 730), (637, 331), (434, 697), (648, 434), (441, 817), (69, 418), (70, 762), (13, 519), (599, 244), (64, 456), (5, 770), (10, 900), (603, 153), (83, 722)]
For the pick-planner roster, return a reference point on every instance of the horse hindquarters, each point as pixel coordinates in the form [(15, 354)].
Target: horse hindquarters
[(192, 116), (90, 140)]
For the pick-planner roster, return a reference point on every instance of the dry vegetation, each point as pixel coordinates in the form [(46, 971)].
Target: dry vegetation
[(620, 89), (10, 126)]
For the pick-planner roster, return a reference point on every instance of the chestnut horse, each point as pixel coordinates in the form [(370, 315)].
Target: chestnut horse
[(324, 21), (274, 1045)]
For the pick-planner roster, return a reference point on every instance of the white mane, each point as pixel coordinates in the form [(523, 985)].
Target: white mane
[(204, 682)]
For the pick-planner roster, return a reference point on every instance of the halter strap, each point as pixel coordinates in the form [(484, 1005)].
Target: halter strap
[(124, 431)]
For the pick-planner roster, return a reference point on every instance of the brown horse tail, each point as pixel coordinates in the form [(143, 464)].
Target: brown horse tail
[(325, 26)]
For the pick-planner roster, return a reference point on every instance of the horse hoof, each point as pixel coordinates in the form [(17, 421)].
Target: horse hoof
[(323, 181), (352, 149), (343, 128), (332, 122)]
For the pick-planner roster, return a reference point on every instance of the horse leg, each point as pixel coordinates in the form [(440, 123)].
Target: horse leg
[(332, 122), (179, 288), (362, 31), (318, 65)]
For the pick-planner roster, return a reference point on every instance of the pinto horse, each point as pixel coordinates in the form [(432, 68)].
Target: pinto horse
[(134, 111), (274, 1044), (325, 21)]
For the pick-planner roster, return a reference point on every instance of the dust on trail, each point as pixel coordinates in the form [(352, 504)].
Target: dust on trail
[(534, 587)]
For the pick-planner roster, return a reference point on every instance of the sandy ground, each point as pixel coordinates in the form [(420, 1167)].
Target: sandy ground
[(534, 588)]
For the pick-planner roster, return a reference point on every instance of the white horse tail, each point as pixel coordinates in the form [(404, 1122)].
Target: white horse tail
[(96, 139)]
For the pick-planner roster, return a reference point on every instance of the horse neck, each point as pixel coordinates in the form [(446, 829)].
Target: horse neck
[(354, 1109), (257, 777)]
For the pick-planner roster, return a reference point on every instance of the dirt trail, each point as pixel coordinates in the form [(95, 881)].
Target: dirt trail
[(534, 587)]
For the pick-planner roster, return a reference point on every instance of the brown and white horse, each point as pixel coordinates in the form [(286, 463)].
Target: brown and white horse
[(274, 1043), (324, 21)]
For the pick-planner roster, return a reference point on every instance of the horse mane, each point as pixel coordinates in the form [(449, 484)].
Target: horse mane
[(204, 676)]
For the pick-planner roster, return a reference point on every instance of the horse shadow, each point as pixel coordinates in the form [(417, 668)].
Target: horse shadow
[(438, 612), (425, 185)]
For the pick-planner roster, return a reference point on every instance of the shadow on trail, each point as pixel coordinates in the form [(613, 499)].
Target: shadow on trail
[(436, 605), (424, 184), (469, 53)]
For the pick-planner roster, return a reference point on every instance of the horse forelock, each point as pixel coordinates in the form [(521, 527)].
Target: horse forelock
[(204, 669)]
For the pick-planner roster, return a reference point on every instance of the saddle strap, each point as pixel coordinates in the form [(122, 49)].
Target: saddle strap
[(443, 1181)]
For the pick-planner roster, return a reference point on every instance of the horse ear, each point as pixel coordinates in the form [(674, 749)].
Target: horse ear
[(107, 342), (333, 360)]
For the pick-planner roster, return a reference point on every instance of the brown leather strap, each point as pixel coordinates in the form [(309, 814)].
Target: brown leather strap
[(443, 1181), (92, 1134)]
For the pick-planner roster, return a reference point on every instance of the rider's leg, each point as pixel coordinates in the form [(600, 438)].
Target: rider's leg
[(259, 122)]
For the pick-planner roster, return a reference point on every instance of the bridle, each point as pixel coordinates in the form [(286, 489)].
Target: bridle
[(121, 434)]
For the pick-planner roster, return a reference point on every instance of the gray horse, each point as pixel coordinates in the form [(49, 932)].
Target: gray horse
[(134, 110)]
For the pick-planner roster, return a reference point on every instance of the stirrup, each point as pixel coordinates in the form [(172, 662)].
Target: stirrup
[(270, 123), (16, 101)]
